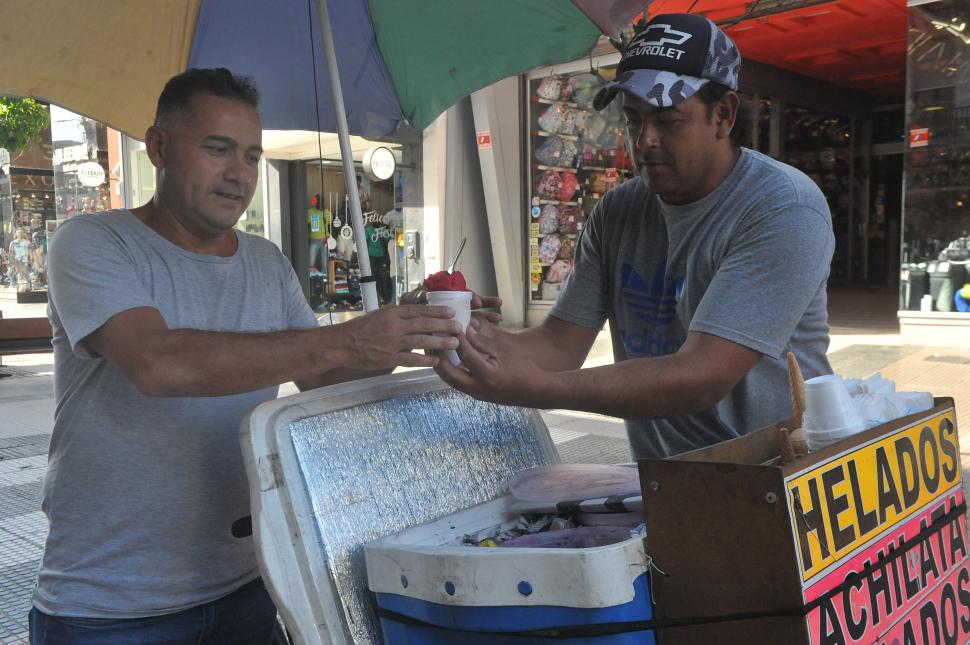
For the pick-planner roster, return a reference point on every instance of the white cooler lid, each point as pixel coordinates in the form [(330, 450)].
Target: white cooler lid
[(332, 469)]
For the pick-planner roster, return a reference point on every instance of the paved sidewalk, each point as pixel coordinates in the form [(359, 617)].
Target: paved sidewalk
[(864, 340)]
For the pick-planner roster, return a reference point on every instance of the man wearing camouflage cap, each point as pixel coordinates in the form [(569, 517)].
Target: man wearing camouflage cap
[(710, 266)]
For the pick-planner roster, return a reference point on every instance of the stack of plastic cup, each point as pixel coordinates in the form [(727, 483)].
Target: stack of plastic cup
[(830, 413), (461, 302)]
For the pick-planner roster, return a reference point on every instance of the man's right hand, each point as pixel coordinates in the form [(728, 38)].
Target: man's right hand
[(385, 338)]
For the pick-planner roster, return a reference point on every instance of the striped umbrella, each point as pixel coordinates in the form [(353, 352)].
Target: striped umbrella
[(401, 62)]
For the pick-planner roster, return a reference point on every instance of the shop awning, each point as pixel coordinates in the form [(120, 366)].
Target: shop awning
[(858, 44)]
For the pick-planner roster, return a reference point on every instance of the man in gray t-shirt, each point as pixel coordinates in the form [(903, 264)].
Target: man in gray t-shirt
[(710, 266), (169, 325)]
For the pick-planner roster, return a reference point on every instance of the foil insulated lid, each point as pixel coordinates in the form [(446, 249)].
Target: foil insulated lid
[(335, 468)]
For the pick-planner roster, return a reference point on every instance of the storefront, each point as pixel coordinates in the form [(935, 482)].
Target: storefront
[(300, 203), (834, 110), (66, 173), (332, 262), (576, 154), (934, 300)]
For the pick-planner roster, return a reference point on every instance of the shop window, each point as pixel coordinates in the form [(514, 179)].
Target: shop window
[(936, 226), (820, 144), (760, 122), (252, 220), (332, 258), (576, 154)]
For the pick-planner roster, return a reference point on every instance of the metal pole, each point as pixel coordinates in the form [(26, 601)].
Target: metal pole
[(368, 286)]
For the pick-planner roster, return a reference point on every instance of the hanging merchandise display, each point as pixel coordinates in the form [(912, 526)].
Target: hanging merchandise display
[(334, 260), (576, 154)]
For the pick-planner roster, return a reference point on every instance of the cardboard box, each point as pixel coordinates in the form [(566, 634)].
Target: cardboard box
[(861, 542)]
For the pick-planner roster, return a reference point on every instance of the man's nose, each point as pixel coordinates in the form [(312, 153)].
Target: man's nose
[(239, 170), (648, 137)]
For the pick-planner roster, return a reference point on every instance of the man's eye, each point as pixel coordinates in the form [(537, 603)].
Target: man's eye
[(252, 159), (217, 150)]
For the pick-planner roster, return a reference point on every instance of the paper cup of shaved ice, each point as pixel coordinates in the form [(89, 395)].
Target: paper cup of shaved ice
[(449, 290)]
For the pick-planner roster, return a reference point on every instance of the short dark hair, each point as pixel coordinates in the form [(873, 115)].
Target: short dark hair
[(219, 82), (713, 92)]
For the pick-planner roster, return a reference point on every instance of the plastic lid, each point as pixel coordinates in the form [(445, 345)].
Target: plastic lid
[(582, 537), (569, 482)]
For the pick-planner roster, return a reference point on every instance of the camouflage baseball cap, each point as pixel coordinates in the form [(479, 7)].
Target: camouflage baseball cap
[(671, 58)]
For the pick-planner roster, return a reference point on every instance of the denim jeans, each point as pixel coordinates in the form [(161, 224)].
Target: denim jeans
[(247, 616)]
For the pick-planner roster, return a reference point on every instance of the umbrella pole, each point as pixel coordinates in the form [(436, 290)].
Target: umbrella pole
[(368, 285)]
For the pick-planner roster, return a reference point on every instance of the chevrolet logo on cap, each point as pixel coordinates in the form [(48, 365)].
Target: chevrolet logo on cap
[(679, 37)]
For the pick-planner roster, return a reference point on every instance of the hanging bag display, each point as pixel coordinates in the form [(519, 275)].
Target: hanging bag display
[(558, 119), (550, 88), (559, 271), (569, 218), (569, 186), (556, 151), (549, 219), (549, 249), (581, 88), (566, 247), (549, 185)]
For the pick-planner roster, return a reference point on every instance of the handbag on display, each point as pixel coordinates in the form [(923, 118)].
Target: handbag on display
[(559, 271), (569, 218), (558, 119), (581, 88), (550, 183), (550, 88), (566, 249), (594, 126), (549, 249), (556, 151), (598, 183), (549, 219), (569, 186)]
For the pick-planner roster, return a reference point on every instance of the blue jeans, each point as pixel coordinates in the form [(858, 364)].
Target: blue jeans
[(247, 616)]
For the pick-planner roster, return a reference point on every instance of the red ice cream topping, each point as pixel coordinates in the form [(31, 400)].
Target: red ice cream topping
[(443, 281)]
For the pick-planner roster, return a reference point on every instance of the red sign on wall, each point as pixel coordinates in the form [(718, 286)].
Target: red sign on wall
[(919, 137), (484, 139)]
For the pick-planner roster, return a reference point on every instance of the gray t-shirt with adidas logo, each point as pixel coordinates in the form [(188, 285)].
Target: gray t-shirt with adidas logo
[(748, 263)]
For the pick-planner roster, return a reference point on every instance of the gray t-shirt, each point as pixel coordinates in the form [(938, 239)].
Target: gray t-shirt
[(747, 263), (141, 492)]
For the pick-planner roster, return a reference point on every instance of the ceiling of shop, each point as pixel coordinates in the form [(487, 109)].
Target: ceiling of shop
[(860, 44), (301, 144)]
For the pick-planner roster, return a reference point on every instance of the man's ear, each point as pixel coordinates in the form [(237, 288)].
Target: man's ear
[(156, 145), (726, 113)]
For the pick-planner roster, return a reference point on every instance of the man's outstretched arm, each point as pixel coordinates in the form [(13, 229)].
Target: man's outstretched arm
[(693, 379), (187, 362)]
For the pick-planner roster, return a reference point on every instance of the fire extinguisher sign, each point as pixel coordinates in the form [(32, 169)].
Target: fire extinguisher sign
[(484, 139), (919, 137)]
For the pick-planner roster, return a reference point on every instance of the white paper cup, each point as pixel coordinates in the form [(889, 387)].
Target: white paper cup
[(830, 413), (461, 302)]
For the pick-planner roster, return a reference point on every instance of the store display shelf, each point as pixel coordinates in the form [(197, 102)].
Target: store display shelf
[(556, 201), (539, 166), (539, 99), (538, 237), (622, 171), (928, 190), (543, 133)]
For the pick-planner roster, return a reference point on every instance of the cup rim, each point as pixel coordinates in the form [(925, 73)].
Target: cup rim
[(824, 379), (452, 294)]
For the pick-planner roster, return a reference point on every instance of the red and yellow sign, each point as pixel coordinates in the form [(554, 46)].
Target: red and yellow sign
[(880, 533), (839, 506)]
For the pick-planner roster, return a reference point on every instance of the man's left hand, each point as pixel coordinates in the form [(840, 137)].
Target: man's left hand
[(491, 371)]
